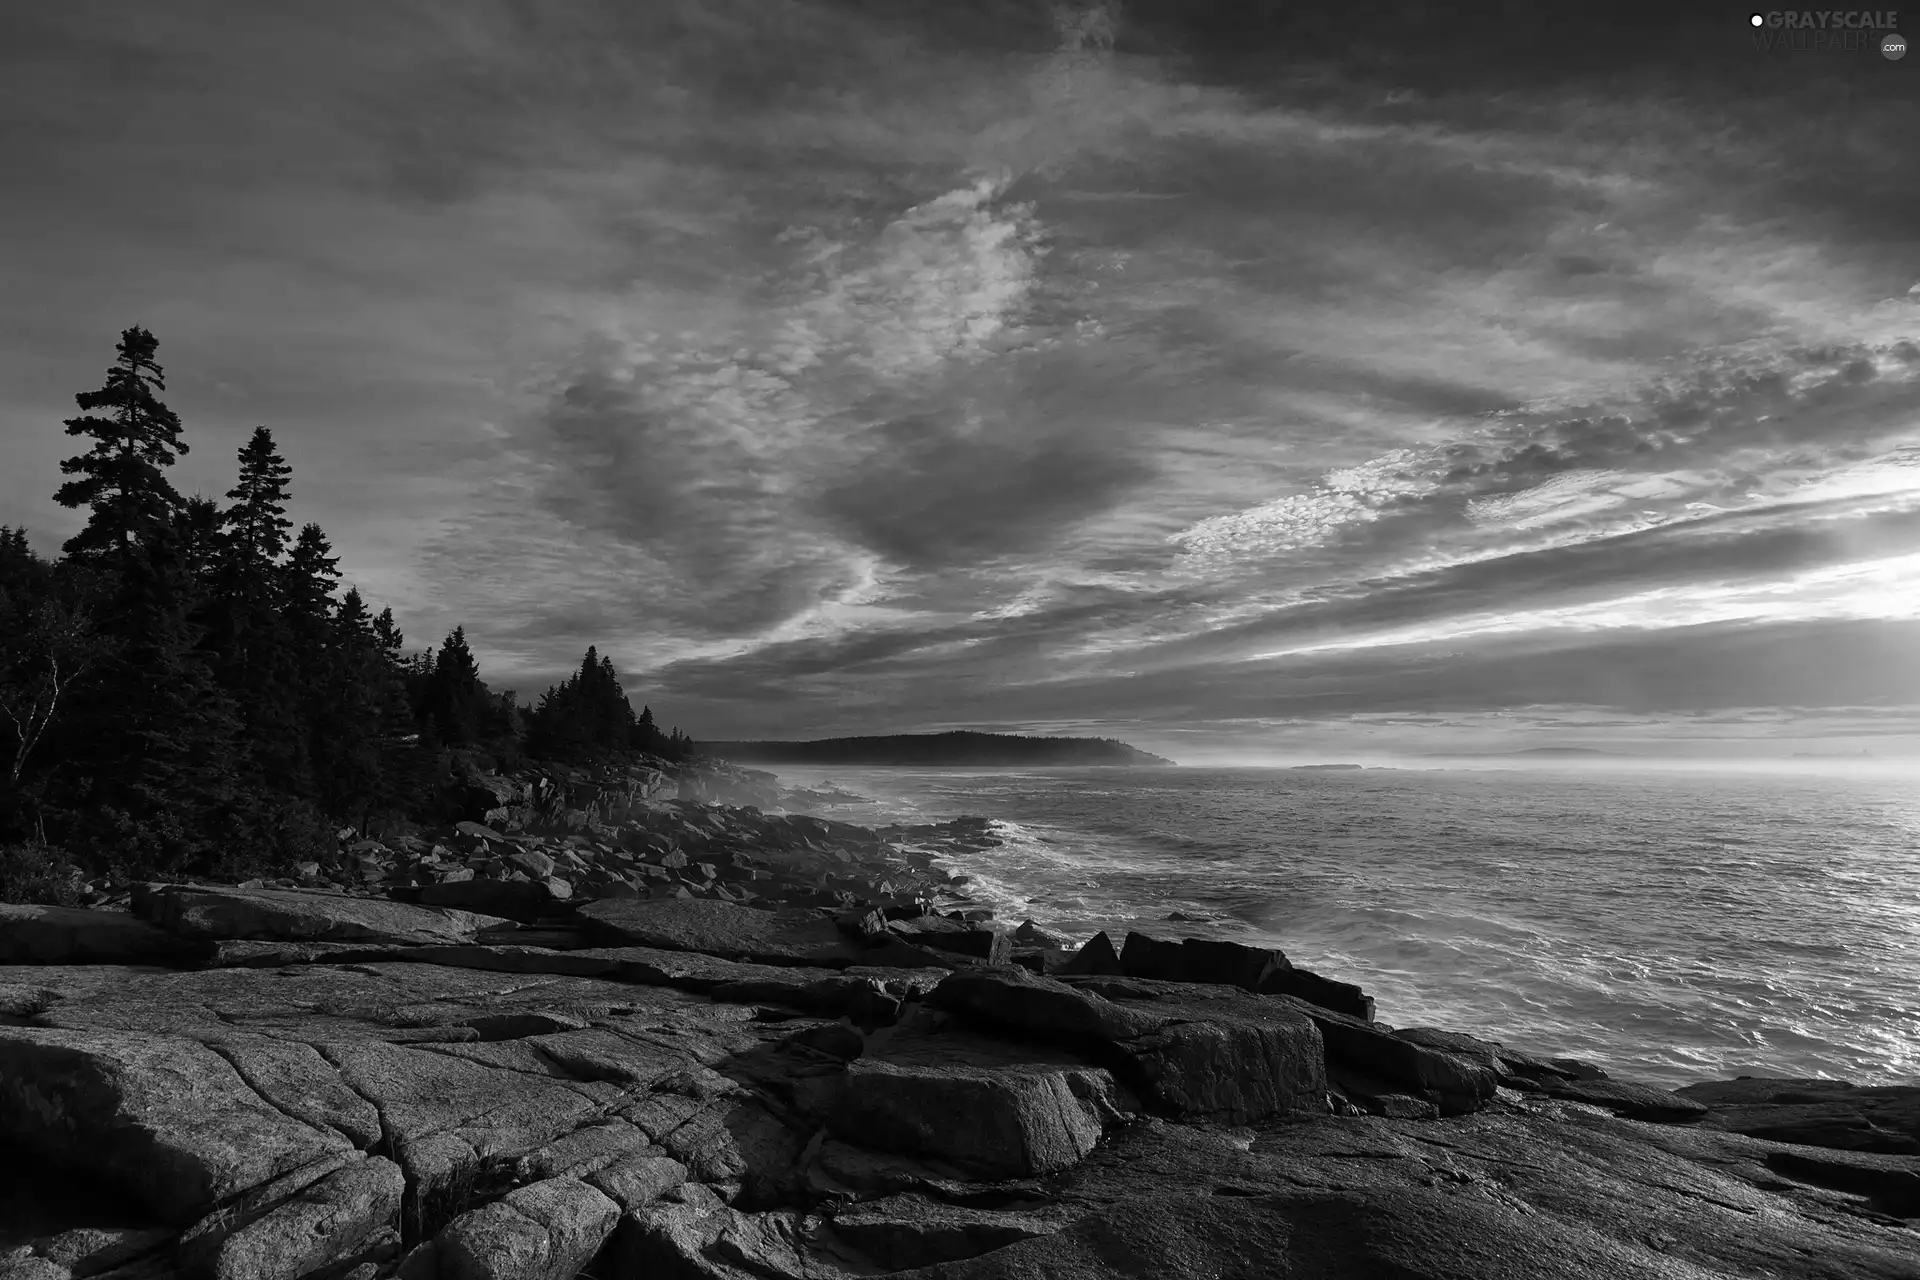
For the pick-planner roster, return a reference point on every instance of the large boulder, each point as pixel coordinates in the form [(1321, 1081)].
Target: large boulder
[(298, 915), (1328, 993), (1456, 1083), (989, 1106), (983, 943), (789, 935), (1202, 1052), (1260, 969), (165, 1121), (1096, 956), (1199, 960), (78, 935)]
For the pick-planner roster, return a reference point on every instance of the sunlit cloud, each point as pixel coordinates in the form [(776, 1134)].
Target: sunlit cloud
[(840, 366)]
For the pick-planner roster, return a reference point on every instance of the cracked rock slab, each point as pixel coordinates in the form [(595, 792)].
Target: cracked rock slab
[(784, 936), (166, 1119), (295, 915), (317, 1225), (294, 1078)]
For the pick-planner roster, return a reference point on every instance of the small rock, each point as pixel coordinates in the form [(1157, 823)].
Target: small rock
[(537, 865)]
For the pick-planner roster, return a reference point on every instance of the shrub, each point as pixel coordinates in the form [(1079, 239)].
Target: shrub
[(41, 874)]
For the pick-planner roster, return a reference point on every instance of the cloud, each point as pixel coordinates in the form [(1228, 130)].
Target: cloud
[(852, 365)]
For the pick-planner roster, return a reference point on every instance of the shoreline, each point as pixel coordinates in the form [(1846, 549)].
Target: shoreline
[(701, 1039)]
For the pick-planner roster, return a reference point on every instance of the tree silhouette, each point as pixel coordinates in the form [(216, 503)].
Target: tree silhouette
[(257, 521), (120, 478), (454, 696), (187, 690)]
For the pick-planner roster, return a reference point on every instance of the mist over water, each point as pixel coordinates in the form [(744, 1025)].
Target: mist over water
[(1670, 926)]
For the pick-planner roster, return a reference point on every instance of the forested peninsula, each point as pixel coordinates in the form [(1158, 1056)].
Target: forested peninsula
[(187, 691)]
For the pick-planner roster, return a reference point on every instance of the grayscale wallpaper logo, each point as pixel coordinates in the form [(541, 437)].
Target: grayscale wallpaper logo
[(1829, 31)]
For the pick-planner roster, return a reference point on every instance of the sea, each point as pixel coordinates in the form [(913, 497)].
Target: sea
[(1668, 925)]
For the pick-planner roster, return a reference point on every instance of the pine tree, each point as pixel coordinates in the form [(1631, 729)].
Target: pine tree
[(255, 643), (197, 531), (120, 478), (613, 714), (23, 574), (257, 521), (254, 540), (453, 693), (309, 579), (160, 738), (388, 639), (352, 683)]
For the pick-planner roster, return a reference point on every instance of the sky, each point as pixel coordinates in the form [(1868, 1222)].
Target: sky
[(1224, 377)]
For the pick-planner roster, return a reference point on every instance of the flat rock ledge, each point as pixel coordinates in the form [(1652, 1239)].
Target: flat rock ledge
[(275, 1083)]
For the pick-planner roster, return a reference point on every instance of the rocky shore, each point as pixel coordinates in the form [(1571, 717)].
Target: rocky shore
[(644, 1025)]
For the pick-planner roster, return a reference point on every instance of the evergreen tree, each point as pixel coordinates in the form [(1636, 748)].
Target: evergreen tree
[(387, 638), (612, 713), (197, 531), (161, 736), (308, 581), (453, 694), (23, 574), (254, 540), (352, 685), (585, 716), (257, 521), (256, 643), (120, 478), (187, 691)]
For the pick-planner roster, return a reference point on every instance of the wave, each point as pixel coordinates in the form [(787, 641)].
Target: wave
[(1669, 928)]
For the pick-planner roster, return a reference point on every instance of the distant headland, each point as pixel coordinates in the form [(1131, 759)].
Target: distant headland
[(976, 750)]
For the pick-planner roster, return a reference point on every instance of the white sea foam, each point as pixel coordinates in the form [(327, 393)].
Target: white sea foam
[(1669, 927)]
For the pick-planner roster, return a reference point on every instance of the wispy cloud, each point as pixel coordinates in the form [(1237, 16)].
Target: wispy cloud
[(849, 366)]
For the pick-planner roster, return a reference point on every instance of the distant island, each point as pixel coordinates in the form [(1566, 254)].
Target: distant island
[(982, 750), (1306, 767)]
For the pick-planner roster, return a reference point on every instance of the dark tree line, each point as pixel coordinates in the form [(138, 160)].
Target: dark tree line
[(186, 689)]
